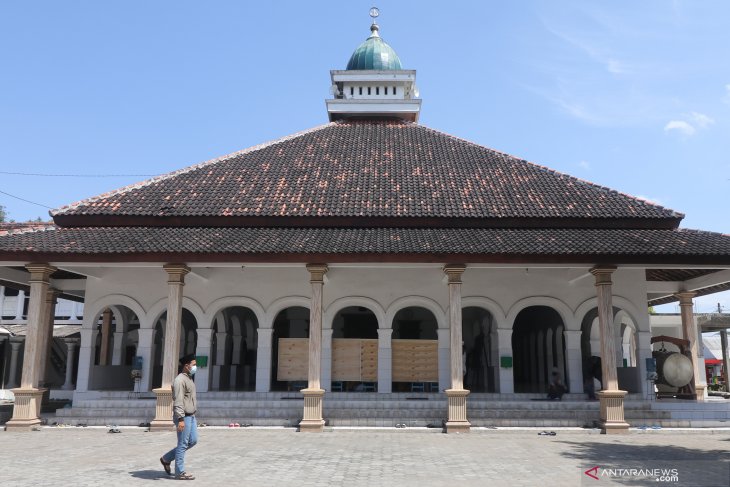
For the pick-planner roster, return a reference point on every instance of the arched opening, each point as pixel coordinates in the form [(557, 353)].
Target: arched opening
[(234, 350), (478, 335), (188, 342), (625, 346), (115, 346), (355, 350), (415, 351), (538, 348), (290, 350)]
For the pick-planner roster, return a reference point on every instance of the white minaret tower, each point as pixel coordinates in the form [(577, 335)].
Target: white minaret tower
[(374, 85)]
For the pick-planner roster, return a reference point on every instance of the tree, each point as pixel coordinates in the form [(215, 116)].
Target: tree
[(3, 214)]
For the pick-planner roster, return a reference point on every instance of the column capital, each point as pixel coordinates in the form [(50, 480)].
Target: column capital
[(40, 271), (685, 297), (176, 273), (454, 272), (317, 272), (603, 274)]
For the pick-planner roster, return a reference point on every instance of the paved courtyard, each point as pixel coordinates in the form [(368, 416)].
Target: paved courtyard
[(341, 457)]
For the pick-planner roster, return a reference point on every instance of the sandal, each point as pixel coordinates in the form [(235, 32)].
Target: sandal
[(166, 466), (185, 476)]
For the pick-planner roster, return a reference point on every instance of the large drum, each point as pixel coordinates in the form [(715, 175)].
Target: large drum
[(674, 369)]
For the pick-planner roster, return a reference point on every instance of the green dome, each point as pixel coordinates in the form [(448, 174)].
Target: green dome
[(374, 53)]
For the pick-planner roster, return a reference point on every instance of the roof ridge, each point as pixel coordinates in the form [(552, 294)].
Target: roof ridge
[(131, 187), (554, 171)]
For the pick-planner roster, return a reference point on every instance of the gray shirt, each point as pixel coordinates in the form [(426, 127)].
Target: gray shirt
[(183, 396)]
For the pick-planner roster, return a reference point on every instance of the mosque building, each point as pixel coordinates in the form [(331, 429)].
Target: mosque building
[(367, 265)]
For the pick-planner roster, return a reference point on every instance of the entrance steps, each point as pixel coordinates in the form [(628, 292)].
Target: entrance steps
[(388, 410)]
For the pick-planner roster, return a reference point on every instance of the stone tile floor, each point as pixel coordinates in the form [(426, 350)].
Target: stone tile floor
[(359, 457)]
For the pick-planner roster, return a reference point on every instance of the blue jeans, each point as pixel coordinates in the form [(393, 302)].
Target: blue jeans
[(186, 439)]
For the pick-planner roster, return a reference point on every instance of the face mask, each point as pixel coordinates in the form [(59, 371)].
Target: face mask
[(193, 369)]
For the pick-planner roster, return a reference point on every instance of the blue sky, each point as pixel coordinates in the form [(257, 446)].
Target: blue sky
[(631, 95)]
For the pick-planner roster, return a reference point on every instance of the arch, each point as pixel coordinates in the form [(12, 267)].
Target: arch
[(617, 302), (229, 302), (488, 304), (419, 302), (566, 314), (281, 304), (537, 347), (234, 348), (360, 301), (92, 310), (160, 307), (283, 325)]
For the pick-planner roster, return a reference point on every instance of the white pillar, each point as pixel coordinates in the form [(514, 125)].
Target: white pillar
[(263, 360), (235, 361), (86, 359), (19, 305), (643, 344), (327, 359), (118, 348), (2, 301), (574, 357), (558, 337), (202, 378), (71, 344), (13, 377), (146, 350), (506, 375), (385, 360), (220, 359), (444, 354)]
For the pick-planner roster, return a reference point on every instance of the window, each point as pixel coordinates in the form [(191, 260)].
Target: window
[(352, 90), (361, 90), (377, 90), (394, 90), (386, 90), (369, 90)]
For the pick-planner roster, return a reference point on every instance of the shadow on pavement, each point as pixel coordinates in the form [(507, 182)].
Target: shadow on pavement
[(696, 466), (151, 475)]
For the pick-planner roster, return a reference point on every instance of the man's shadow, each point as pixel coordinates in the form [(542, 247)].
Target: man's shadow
[(151, 475)]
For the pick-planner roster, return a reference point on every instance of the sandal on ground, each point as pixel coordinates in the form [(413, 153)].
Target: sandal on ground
[(185, 476), (166, 466)]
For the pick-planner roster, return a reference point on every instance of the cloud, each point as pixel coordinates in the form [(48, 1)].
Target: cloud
[(726, 98), (584, 164), (701, 120), (693, 122), (653, 201), (680, 125)]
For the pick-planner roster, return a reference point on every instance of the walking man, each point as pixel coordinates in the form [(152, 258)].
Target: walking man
[(183, 415)]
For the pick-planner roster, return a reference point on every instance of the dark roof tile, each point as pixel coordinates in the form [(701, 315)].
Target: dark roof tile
[(369, 169)]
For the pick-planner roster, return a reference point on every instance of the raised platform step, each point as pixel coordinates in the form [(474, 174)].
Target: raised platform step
[(383, 410)]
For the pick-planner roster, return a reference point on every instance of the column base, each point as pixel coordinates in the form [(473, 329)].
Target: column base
[(26, 410), (312, 421), (457, 422), (700, 392), (163, 411), (612, 412)]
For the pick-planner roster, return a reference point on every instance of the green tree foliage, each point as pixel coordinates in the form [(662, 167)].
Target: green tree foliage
[(3, 214)]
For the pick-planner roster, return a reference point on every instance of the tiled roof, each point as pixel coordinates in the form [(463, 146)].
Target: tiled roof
[(362, 169), (477, 244), (6, 228)]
